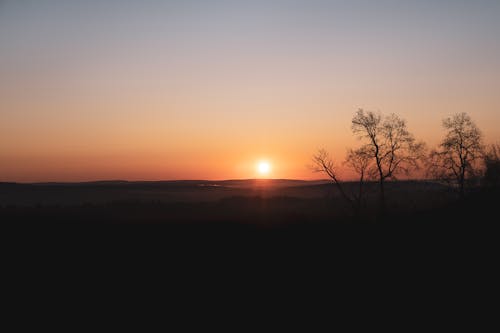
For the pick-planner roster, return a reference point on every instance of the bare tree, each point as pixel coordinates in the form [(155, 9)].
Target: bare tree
[(358, 160), (322, 162), (392, 148), (492, 166), (458, 156)]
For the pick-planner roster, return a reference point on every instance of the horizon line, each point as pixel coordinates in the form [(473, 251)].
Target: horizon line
[(200, 180)]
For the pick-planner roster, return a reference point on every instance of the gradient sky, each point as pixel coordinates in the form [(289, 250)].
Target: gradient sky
[(204, 89)]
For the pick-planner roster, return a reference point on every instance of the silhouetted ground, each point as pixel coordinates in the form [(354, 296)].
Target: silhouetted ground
[(238, 204), (249, 229), (260, 203)]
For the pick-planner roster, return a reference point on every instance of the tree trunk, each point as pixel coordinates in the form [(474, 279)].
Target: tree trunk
[(462, 189), (462, 180), (382, 197)]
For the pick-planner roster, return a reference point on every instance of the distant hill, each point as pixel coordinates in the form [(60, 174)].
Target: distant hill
[(99, 192)]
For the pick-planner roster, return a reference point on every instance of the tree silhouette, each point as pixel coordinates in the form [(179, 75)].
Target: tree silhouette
[(357, 160), (322, 162), (458, 155), (392, 148), (492, 164)]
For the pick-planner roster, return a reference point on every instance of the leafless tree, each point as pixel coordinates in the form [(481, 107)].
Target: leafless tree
[(458, 156), (492, 166), (357, 160), (322, 162), (392, 148)]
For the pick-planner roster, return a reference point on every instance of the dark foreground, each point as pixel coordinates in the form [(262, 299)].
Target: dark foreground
[(248, 229), (240, 205)]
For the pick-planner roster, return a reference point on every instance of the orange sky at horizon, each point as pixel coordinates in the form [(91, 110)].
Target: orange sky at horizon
[(170, 90)]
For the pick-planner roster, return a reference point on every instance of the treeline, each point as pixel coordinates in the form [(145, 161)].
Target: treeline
[(389, 150)]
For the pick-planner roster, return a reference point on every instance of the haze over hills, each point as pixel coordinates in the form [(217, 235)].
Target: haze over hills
[(200, 182), (99, 192), (224, 205)]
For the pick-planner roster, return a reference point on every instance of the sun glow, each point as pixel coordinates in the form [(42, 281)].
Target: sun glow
[(263, 167)]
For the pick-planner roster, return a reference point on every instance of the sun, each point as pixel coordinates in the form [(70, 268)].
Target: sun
[(263, 167)]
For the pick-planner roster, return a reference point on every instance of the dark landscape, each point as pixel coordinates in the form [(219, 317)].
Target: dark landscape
[(251, 204)]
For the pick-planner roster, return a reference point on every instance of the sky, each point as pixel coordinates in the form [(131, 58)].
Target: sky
[(201, 89)]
